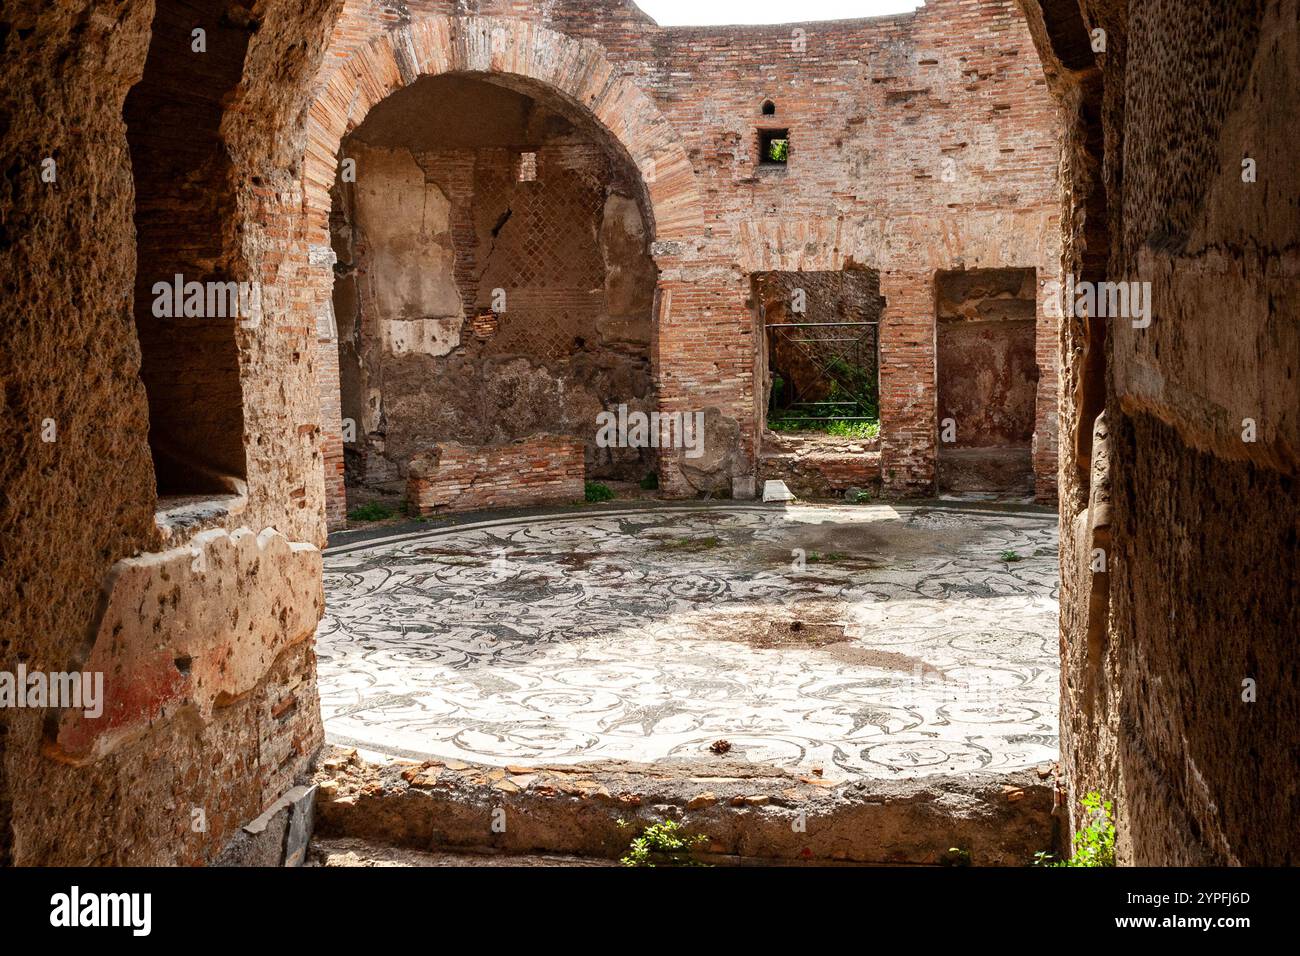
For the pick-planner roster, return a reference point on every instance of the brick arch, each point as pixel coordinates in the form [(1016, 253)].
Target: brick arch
[(575, 70), (578, 70)]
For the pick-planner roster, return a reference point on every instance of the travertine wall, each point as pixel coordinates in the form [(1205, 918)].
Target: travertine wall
[(185, 760), (1179, 691)]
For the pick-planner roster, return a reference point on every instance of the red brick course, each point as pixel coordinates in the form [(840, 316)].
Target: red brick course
[(539, 470)]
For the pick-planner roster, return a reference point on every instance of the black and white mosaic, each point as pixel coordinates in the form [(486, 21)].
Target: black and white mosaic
[(647, 634)]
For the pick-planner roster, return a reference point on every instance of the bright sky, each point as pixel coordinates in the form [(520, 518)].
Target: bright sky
[(672, 13)]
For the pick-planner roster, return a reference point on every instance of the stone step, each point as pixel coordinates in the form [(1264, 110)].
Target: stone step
[(748, 812)]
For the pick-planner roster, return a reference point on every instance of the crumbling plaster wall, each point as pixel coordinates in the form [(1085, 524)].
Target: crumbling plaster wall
[(1199, 526), (919, 142), (488, 308), (77, 518)]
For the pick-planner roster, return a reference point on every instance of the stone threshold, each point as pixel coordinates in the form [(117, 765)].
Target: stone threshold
[(751, 813)]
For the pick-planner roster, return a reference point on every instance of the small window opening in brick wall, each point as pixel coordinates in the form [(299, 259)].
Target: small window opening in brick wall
[(774, 147), (769, 108), (527, 167)]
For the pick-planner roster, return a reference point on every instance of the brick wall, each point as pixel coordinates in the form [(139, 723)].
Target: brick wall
[(539, 470), (821, 467), (327, 380), (918, 143)]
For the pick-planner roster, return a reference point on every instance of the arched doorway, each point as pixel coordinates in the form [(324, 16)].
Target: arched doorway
[(493, 284), (574, 73)]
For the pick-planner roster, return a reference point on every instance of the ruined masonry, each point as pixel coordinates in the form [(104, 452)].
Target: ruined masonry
[(473, 225)]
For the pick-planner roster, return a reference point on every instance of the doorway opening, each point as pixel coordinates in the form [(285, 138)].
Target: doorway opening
[(494, 296), (819, 369), (188, 305), (987, 381)]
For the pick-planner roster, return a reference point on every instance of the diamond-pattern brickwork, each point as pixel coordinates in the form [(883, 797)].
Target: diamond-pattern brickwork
[(546, 255)]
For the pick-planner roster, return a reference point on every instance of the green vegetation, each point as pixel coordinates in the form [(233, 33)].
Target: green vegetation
[(815, 557), (797, 423), (1008, 556), (793, 422), (1094, 844), (778, 150), (650, 482), (691, 544), (371, 511), (595, 491), (663, 844), (853, 394)]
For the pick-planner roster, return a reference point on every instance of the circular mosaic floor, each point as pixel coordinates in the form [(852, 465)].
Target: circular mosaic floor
[(872, 640)]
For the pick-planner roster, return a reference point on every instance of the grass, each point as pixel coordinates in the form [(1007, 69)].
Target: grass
[(796, 423), (692, 544), (371, 511), (1009, 556), (814, 557), (595, 491)]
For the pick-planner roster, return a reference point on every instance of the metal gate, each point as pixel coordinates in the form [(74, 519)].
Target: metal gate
[(839, 352)]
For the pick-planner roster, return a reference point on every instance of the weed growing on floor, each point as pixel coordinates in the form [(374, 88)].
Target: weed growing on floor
[(815, 557), (595, 491), (1009, 556), (1094, 844), (663, 844), (373, 511), (692, 544)]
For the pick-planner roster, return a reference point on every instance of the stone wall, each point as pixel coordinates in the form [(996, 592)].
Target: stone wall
[(538, 470), (1180, 507), (180, 768)]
